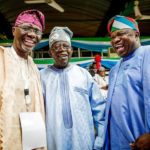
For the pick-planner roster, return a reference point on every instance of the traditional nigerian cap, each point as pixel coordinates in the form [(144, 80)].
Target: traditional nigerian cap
[(121, 22), (33, 16), (102, 69), (60, 34)]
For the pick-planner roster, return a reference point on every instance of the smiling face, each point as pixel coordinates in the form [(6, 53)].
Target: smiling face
[(61, 51), (124, 41), (26, 36)]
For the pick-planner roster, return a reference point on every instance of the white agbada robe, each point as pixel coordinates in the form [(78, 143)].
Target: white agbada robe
[(74, 105)]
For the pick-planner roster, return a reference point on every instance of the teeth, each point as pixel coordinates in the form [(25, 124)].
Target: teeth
[(29, 41), (63, 56), (118, 46)]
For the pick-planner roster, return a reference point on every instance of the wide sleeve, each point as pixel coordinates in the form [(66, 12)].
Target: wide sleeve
[(1, 74), (98, 107), (146, 87)]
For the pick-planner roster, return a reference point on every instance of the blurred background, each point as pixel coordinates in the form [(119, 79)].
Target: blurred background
[(86, 18)]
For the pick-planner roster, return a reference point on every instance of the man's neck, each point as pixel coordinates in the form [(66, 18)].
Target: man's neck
[(21, 54), (61, 67)]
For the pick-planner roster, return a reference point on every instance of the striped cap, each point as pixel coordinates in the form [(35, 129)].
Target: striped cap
[(121, 22)]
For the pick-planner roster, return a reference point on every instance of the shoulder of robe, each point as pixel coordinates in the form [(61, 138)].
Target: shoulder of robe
[(1, 48)]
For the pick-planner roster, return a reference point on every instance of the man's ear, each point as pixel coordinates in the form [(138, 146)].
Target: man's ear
[(50, 53), (13, 30), (71, 51), (132, 145), (137, 34)]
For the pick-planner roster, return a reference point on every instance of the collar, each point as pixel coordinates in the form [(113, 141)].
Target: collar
[(15, 55)]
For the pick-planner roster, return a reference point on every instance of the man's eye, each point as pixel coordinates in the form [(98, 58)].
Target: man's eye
[(112, 37), (65, 46), (123, 33), (56, 47), (25, 28), (36, 30)]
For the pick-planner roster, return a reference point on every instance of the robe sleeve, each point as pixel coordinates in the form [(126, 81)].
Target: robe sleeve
[(146, 87), (43, 86), (1, 74), (98, 107)]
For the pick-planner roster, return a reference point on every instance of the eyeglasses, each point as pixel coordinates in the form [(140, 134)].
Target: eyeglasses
[(28, 29), (62, 46)]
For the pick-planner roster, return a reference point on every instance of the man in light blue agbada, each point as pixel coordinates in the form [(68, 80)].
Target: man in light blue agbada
[(74, 105), (128, 107)]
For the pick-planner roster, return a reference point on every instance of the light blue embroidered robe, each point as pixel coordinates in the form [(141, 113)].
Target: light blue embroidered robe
[(128, 106), (73, 106)]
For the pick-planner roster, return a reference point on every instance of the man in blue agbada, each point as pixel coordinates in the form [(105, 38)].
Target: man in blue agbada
[(128, 107), (74, 105)]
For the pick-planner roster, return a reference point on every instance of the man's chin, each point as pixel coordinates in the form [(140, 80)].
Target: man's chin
[(120, 53), (27, 48), (64, 64)]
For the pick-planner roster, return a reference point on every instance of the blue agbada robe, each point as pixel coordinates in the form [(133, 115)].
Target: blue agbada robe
[(128, 107), (74, 105)]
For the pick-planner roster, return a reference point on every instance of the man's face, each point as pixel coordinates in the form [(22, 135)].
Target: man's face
[(102, 73), (61, 51), (26, 36), (124, 41)]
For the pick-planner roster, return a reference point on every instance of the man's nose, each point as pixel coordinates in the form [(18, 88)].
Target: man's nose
[(117, 38), (62, 48)]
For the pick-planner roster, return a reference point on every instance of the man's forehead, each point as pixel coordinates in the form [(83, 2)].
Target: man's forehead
[(122, 31), (60, 42)]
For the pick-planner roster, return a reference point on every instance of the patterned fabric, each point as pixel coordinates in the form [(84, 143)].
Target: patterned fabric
[(74, 105), (121, 22), (60, 34), (12, 99), (33, 16)]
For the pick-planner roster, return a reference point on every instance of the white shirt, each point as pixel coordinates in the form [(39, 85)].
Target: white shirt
[(102, 81)]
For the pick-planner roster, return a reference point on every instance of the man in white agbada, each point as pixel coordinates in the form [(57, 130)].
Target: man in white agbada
[(102, 81), (74, 104)]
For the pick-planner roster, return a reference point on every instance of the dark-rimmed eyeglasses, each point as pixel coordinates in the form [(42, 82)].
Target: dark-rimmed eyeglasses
[(62, 46), (28, 29)]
